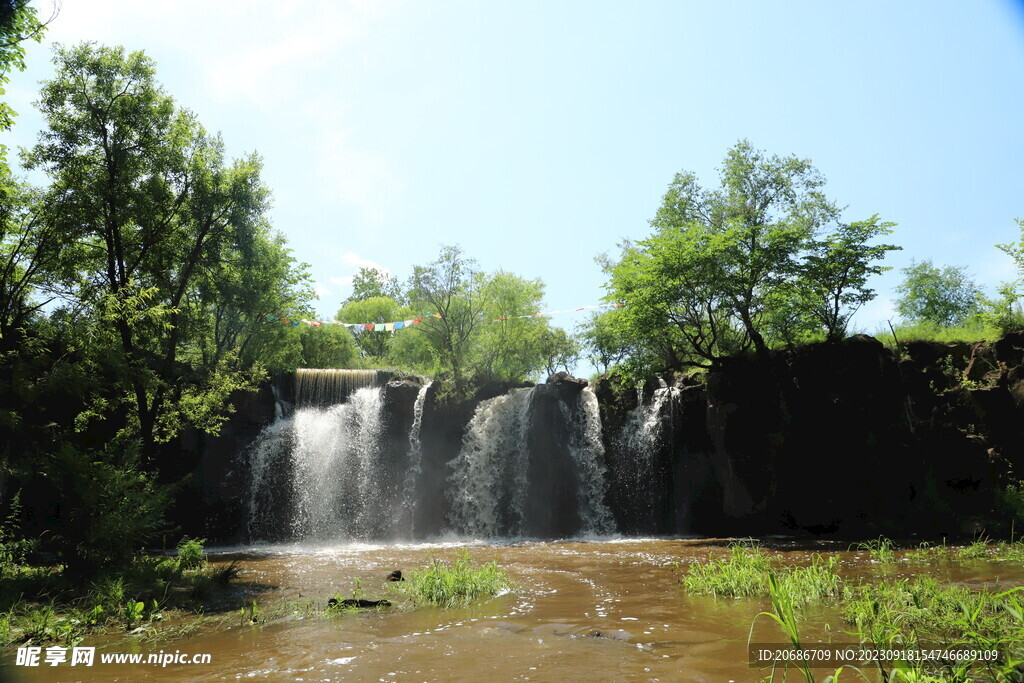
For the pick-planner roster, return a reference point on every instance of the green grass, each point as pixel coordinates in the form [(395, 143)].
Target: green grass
[(742, 573), (909, 614), (454, 584), (746, 572), (880, 549), (40, 605), (969, 332)]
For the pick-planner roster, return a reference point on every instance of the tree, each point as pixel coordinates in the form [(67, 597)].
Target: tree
[(603, 340), (380, 309), (448, 290), (559, 350), (164, 233), (941, 296), (327, 347), (743, 266), (510, 347), (837, 268), (370, 283), (18, 23)]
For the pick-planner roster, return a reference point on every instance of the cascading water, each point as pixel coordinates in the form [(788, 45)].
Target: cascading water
[(338, 483), (330, 387), (508, 461), (269, 464), (412, 476), (489, 476), (361, 464), (588, 454), (639, 444)]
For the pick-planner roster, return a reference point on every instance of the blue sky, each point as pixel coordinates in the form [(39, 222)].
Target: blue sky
[(539, 134)]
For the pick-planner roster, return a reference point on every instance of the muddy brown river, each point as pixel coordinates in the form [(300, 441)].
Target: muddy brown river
[(582, 611)]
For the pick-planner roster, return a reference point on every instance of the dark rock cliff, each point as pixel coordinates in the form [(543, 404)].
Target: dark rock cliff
[(848, 439)]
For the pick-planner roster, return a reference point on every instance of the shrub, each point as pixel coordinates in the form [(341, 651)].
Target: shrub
[(190, 553)]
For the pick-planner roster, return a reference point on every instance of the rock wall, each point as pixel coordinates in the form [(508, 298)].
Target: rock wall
[(847, 439)]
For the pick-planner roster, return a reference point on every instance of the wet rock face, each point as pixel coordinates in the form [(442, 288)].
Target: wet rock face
[(840, 438)]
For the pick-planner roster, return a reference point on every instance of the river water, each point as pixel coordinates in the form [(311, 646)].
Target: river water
[(601, 610)]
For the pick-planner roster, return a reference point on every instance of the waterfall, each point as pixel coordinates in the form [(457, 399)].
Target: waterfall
[(639, 444), (269, 490), (587, 452), (510, 465), (330, 387), (354, 463), (489, 476), (412, 476), (338, 482)]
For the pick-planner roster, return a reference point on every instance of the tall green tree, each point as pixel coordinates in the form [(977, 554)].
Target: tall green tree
[(940, 296), (837, 268), (372, 344), (449, 292), (509, 347), (19, 23), (744, 265), (165, 234), (371, 283)]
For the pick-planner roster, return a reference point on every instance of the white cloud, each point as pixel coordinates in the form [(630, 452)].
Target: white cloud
[(356, 261), (320, 290)]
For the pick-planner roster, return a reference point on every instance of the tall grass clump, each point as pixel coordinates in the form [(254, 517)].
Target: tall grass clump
[(745, 572), (454, 584), (880, 550), (922, 613), (742, 573)]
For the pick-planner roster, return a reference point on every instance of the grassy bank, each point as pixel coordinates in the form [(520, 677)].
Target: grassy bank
[(40, 605), (884, 610)]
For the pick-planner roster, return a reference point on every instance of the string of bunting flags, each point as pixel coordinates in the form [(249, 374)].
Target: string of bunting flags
[(402, 324)]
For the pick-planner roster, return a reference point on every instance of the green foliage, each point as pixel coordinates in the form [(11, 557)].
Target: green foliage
[(836, 271), (512, 349), (971, 331), (472, 330), (909, 614), (944, 296), (444, 584), (450, 287), (742, 573), (327, 347), (14, 548), (156, 249), (252, 614), (604, 341), (110, 506), (746, 266), (173, 259), (374, 344), (560, 350), (18, 23), (190, 553), (370, 283)]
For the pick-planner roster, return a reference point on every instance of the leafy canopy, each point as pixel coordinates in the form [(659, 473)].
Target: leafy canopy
[(761, 260), (942, 296)]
